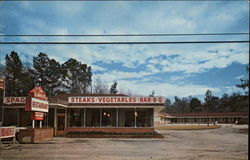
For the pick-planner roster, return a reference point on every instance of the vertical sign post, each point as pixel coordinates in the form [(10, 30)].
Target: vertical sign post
[(37, 103)]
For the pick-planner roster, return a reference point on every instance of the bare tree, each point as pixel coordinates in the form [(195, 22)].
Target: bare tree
[(100, 87)]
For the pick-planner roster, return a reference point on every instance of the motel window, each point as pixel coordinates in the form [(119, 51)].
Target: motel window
[(195, 119)]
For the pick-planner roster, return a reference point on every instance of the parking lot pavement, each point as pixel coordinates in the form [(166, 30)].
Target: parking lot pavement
[(215, 144)]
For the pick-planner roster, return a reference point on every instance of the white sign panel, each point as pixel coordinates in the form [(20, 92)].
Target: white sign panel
[(116, 99), (39, 105), (14, 100)]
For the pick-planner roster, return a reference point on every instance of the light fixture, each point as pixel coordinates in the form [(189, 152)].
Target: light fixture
[(135, 114)]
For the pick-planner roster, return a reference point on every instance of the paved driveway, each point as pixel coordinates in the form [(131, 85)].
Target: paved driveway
[(225, 143)]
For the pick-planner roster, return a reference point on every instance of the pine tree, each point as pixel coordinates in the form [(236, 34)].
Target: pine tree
[(76, 76), (211, 102), (244, 83), (47, 73), (18, 79), (113, 89), (55, 77), (195, 105), (152, 94), (41, 70)]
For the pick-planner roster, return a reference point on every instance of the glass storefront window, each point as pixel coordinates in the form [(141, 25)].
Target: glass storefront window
[(25, 118), (109, 117), (144, 117), (93, 117), (126, 117), (75, 117), (51, 117), (10, 117)]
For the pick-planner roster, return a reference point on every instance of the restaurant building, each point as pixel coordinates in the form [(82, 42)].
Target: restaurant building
[(89, 113)]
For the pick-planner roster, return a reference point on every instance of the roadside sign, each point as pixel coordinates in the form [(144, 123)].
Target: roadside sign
[(37, 100), (37, 116), (7, 132)]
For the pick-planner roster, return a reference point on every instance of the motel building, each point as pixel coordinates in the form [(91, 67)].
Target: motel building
[(204, 118), (88, 113)]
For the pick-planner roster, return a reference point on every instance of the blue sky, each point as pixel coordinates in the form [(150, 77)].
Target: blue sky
[(169, 70)]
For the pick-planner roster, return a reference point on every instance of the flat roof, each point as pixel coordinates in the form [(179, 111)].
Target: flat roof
[(204, 114), (94, 100)]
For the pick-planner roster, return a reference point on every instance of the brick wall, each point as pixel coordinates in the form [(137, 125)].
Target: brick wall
[(35, 135), (111, 130)]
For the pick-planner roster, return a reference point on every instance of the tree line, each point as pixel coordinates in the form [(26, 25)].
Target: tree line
[(235, 102)]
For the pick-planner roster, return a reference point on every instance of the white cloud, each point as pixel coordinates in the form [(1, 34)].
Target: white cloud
[(97, 68), (119, 75), (152, 68), (165, 89), (188, 61), (178, 78), (125, 17)]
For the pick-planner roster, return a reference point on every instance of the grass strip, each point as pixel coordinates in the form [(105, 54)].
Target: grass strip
[(187, 127)]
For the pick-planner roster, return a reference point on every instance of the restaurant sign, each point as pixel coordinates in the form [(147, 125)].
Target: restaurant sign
[(37, 101), (39, 105), (7, 132), (115, 100), (14, 100), (37, 116)]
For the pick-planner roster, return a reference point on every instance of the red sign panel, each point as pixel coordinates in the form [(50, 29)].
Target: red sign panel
[(37, 116), (37, 100), (38, 93), (7, 132)]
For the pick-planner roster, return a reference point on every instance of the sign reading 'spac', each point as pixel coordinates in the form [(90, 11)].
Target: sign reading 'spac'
[(37, 100)]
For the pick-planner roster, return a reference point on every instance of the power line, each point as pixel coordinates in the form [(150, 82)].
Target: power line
[(120, 0), (104, 43), (119, 35)]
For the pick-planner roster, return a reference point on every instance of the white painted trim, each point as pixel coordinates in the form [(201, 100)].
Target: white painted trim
[(57, 104), (113, 106)]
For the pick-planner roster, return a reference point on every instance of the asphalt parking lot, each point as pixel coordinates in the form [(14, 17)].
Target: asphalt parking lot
[(226, 143)]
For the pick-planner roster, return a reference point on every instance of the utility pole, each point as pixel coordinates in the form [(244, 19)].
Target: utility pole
[(2, 81)]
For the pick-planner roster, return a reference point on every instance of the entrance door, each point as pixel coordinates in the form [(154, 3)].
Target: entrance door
[(60, 122)]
